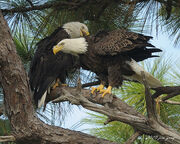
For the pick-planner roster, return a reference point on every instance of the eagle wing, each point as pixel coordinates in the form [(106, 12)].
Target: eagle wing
[(125, 42), (45, 66)]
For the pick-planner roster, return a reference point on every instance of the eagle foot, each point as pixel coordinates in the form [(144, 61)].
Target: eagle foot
[(64, 85), (99, 88), (93, 89), (55, 85), (107, 91)]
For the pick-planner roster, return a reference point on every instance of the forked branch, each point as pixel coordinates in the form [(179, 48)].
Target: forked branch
[(117, 110)]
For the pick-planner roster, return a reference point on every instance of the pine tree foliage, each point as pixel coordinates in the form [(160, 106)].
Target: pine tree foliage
[(30, 24)]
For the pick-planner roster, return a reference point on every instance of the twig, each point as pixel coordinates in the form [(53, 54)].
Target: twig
[(39, 7), (30, 2), (98, 82), (108, 120), (101, 11), (150, 105), (170, 102), (170, 96), (79, 85), (7, 138), (171, 90), (133, 137), (1, 111), (90, 84)]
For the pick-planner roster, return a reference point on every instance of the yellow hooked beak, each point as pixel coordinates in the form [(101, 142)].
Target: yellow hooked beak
[(57, 48), (84, 32)]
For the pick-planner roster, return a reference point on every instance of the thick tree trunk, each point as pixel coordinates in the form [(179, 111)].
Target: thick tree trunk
[(27, 128)]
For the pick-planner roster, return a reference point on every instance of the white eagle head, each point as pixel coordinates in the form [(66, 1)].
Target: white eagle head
[(76, 29), (71, 46)]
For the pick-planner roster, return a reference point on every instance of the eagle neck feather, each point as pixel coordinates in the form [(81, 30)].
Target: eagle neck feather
[(76, 46), (72, 29)]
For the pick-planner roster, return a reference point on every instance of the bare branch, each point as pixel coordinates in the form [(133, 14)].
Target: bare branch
[(173, 94), (30, 2), (40, 7), (108, 120), (170, 102), (90, 84), (7, 138), (1, 110), (150, 105), (170, 90), (133, 138)]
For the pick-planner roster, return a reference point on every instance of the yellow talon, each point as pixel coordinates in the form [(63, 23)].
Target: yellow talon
[(107, 91), (65, 85), (55, 85), (93, 89), (99, 88)]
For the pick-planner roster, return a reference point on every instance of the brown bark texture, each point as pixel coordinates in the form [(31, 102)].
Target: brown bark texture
[(27, 128)]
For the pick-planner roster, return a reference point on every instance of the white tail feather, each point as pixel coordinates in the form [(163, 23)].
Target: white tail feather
[(42, 100), (152, 81)]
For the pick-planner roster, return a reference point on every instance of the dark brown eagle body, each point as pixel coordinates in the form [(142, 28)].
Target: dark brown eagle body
[(109, 55), (46, 67)]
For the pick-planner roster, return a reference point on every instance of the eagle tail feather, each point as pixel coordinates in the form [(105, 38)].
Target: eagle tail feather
[(154, 50), (42, 100), (151, 80)]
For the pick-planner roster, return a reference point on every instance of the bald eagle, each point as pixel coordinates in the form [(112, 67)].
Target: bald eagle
[(45, 68), (113, 56)]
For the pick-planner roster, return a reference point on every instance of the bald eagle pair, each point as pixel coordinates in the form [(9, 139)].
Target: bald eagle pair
[(113, 56), (46, 68)]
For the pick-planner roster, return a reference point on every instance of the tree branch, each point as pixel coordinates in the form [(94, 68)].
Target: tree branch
[(90, 84), (133, 138), (150, 105), (1, 110), (72, 5), (122, 112), (30, 2), (7, 138), (170, 102), (171, 91), (116, 110), (40, 7), (173, 94)]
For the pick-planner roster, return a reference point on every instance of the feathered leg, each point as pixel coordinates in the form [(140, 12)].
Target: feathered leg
[(56, 83)]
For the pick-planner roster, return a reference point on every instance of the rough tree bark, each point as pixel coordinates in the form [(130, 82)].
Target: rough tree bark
[(27, 128), (117, 110)]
